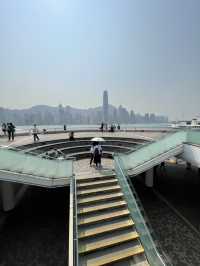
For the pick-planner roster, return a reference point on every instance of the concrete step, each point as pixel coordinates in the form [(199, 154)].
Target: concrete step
[(106, 228), (114, 256), (95, 191), (102, 207), (103, 217), (100, 183), (94, 178), (110, 241), (99, 198)]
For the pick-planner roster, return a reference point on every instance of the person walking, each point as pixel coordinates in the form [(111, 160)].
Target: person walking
[(71, 136), (4, 128), (92, 153), (35, 133), (102, 127), (12, 131), (97, 155), (9, 131)]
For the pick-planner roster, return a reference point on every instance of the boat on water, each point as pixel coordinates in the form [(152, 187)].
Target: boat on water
[(189, 124)]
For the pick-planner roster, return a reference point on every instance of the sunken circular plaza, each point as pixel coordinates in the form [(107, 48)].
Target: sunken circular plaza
[(80, 147), (41, 220)]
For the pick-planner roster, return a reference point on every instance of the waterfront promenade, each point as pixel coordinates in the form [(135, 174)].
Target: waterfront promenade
[(23, 140)]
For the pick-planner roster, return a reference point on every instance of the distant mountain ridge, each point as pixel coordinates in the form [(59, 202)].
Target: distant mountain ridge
[(52, 115)]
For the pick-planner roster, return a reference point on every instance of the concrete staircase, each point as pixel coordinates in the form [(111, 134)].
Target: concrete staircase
[(106, 231)]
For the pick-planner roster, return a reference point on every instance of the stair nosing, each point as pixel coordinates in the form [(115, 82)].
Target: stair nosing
[(99, 184), (107, 217), (99, 190), (82, 180), (109, 230), (114, 243), (119, 205), (135, 251), (114, 196)]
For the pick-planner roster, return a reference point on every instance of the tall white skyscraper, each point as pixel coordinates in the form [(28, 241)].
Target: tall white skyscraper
[(105, 107)]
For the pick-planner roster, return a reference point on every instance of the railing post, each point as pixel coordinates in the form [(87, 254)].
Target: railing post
[(71, 225)]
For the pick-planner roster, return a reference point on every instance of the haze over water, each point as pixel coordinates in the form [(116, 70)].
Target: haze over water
[(145, 53)]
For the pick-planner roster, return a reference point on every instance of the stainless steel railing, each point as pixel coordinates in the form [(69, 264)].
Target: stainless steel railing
[(154, 255)]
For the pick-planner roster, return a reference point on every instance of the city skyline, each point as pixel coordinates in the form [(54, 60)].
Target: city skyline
[(106, 113), (145, 52)]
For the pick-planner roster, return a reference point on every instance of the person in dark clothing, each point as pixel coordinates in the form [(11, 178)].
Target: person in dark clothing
[(4, 128), (112, 129), (65, 128), (102, 126), (12, 131), (9, 131), (97, 155), (71, 135), (162, 166)]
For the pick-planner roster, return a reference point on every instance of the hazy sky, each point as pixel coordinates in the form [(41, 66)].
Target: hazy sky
[(146, 53)]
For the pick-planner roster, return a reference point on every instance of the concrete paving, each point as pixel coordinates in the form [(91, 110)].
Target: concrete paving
[(82, 168), (22, 140)]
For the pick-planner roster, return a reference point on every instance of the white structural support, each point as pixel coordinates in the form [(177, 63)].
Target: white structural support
[(7, 196), (11, 193), (149, 175), (191, 154)]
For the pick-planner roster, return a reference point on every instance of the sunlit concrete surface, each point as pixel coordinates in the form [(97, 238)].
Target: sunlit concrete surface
[(82, 168), (22, 140)]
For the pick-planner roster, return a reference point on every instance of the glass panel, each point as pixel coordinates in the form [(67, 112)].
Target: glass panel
[(19, 162), (152, 150), (151, 251)]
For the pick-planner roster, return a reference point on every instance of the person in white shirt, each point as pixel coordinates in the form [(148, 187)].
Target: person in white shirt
[(35, 133), (92, 153)]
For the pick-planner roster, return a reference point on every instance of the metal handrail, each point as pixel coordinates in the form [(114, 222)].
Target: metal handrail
[(166, 259), (75, 224), (144, 231)]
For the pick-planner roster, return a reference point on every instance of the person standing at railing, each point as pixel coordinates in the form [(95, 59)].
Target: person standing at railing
[(35, 133)]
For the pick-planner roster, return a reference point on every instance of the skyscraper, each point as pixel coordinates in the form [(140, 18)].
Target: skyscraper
[(105, 107)]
